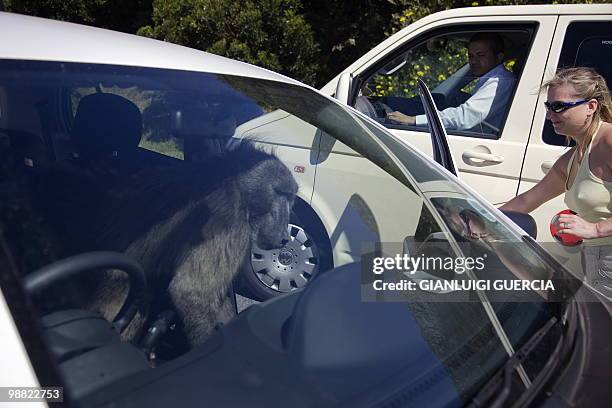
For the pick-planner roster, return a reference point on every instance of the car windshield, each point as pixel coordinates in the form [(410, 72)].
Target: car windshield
[(149, 197)]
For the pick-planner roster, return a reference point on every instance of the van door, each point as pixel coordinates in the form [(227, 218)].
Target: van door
[(489, 150), (579, 41)]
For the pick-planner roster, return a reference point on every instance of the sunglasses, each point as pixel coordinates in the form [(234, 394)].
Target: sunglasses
[(559, 106)]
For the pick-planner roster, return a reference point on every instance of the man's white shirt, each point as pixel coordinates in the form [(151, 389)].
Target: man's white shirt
[(488, 103)]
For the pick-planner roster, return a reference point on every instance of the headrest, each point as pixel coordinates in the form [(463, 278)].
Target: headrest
[(106, 124)]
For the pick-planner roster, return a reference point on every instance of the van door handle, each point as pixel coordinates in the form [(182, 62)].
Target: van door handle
[(489, 157), (547, 165)]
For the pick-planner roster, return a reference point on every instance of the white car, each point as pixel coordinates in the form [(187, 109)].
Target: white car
[(120, 187), (497, 161)]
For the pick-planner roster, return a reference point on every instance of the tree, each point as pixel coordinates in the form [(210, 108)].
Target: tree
[(310, 40), (119, 15), (77, 11), (345, 30), (269, 33)]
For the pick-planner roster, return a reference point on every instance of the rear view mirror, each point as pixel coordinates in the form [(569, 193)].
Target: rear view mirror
[(436, 44), (394, 65)]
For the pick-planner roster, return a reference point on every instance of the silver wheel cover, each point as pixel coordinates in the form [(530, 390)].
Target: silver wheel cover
[(287, 268)]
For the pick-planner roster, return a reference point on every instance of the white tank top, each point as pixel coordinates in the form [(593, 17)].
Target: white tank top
[(589, 196)]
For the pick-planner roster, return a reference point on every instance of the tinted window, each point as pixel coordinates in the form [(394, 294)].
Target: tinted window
[(151, 165), (586, 44)]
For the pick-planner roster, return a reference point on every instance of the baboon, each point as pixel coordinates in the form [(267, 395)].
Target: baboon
[(190, 226)]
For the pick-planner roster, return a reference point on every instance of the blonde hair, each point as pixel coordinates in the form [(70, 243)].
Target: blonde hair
[(588, 85)]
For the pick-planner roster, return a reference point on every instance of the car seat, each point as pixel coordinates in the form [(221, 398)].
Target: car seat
[(105, 135)]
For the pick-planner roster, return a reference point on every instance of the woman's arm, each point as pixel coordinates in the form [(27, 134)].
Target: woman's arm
[(604, 228), (548, 188)]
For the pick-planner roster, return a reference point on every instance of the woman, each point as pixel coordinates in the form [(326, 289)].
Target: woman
[(579, 107)]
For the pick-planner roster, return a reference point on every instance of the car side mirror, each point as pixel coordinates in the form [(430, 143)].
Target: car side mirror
[(525, 221), (343, 87)]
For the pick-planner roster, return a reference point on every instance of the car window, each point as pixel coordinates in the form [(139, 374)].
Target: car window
[(101, 227), (442, 61), (586, 44), (157, 134)]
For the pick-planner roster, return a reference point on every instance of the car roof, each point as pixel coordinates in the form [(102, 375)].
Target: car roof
[(33, 38), (483, 11)]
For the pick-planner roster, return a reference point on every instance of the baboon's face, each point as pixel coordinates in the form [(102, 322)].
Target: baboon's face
[(271, 229), (270, 207)]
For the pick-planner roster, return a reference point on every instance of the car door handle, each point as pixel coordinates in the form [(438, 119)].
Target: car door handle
[(489, 157), (547, 165)]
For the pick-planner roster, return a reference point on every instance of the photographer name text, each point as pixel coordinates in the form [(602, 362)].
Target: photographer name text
[(463, 284)]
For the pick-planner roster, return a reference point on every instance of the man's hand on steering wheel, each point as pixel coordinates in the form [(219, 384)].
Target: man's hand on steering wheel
[(401, 118)]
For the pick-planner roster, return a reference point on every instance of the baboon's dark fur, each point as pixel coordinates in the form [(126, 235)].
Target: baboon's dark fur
[(190, 227)]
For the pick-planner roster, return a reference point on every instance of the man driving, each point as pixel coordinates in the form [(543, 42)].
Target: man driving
[(492, 92)]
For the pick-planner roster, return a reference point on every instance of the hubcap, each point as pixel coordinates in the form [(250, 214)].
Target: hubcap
[(287, 268)]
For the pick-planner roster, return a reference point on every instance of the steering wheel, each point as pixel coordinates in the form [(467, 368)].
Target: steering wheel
[(381, 109), (372, 108), (41, 279)]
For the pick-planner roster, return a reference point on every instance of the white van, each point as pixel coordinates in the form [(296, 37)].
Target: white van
[(497, 161)]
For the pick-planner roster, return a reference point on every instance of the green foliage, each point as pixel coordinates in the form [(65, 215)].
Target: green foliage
[(310, 40), (433, 63), (120, 15), (269, 33), (78, 11), (345, 30)]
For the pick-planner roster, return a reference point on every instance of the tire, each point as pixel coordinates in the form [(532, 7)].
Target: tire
[(266, 274)]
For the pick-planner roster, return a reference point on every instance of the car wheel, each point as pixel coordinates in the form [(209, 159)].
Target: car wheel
[(269, 273)]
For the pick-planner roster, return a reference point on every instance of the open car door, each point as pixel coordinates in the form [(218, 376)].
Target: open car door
[(443, 155), (439, 138)]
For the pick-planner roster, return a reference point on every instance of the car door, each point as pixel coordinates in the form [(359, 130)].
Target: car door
[(488, 159), (496, 311), (580, 40)]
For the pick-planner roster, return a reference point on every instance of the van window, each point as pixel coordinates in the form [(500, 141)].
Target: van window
[(586, 44), (473, 98)]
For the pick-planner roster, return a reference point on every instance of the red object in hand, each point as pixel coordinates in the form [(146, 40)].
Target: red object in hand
[(564, 239)]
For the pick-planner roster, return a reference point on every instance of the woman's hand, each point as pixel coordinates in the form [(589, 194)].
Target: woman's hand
[(401, 118), (573, 224)]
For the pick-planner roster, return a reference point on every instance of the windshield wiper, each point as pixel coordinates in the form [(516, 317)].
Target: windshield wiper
[(501, 382)]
